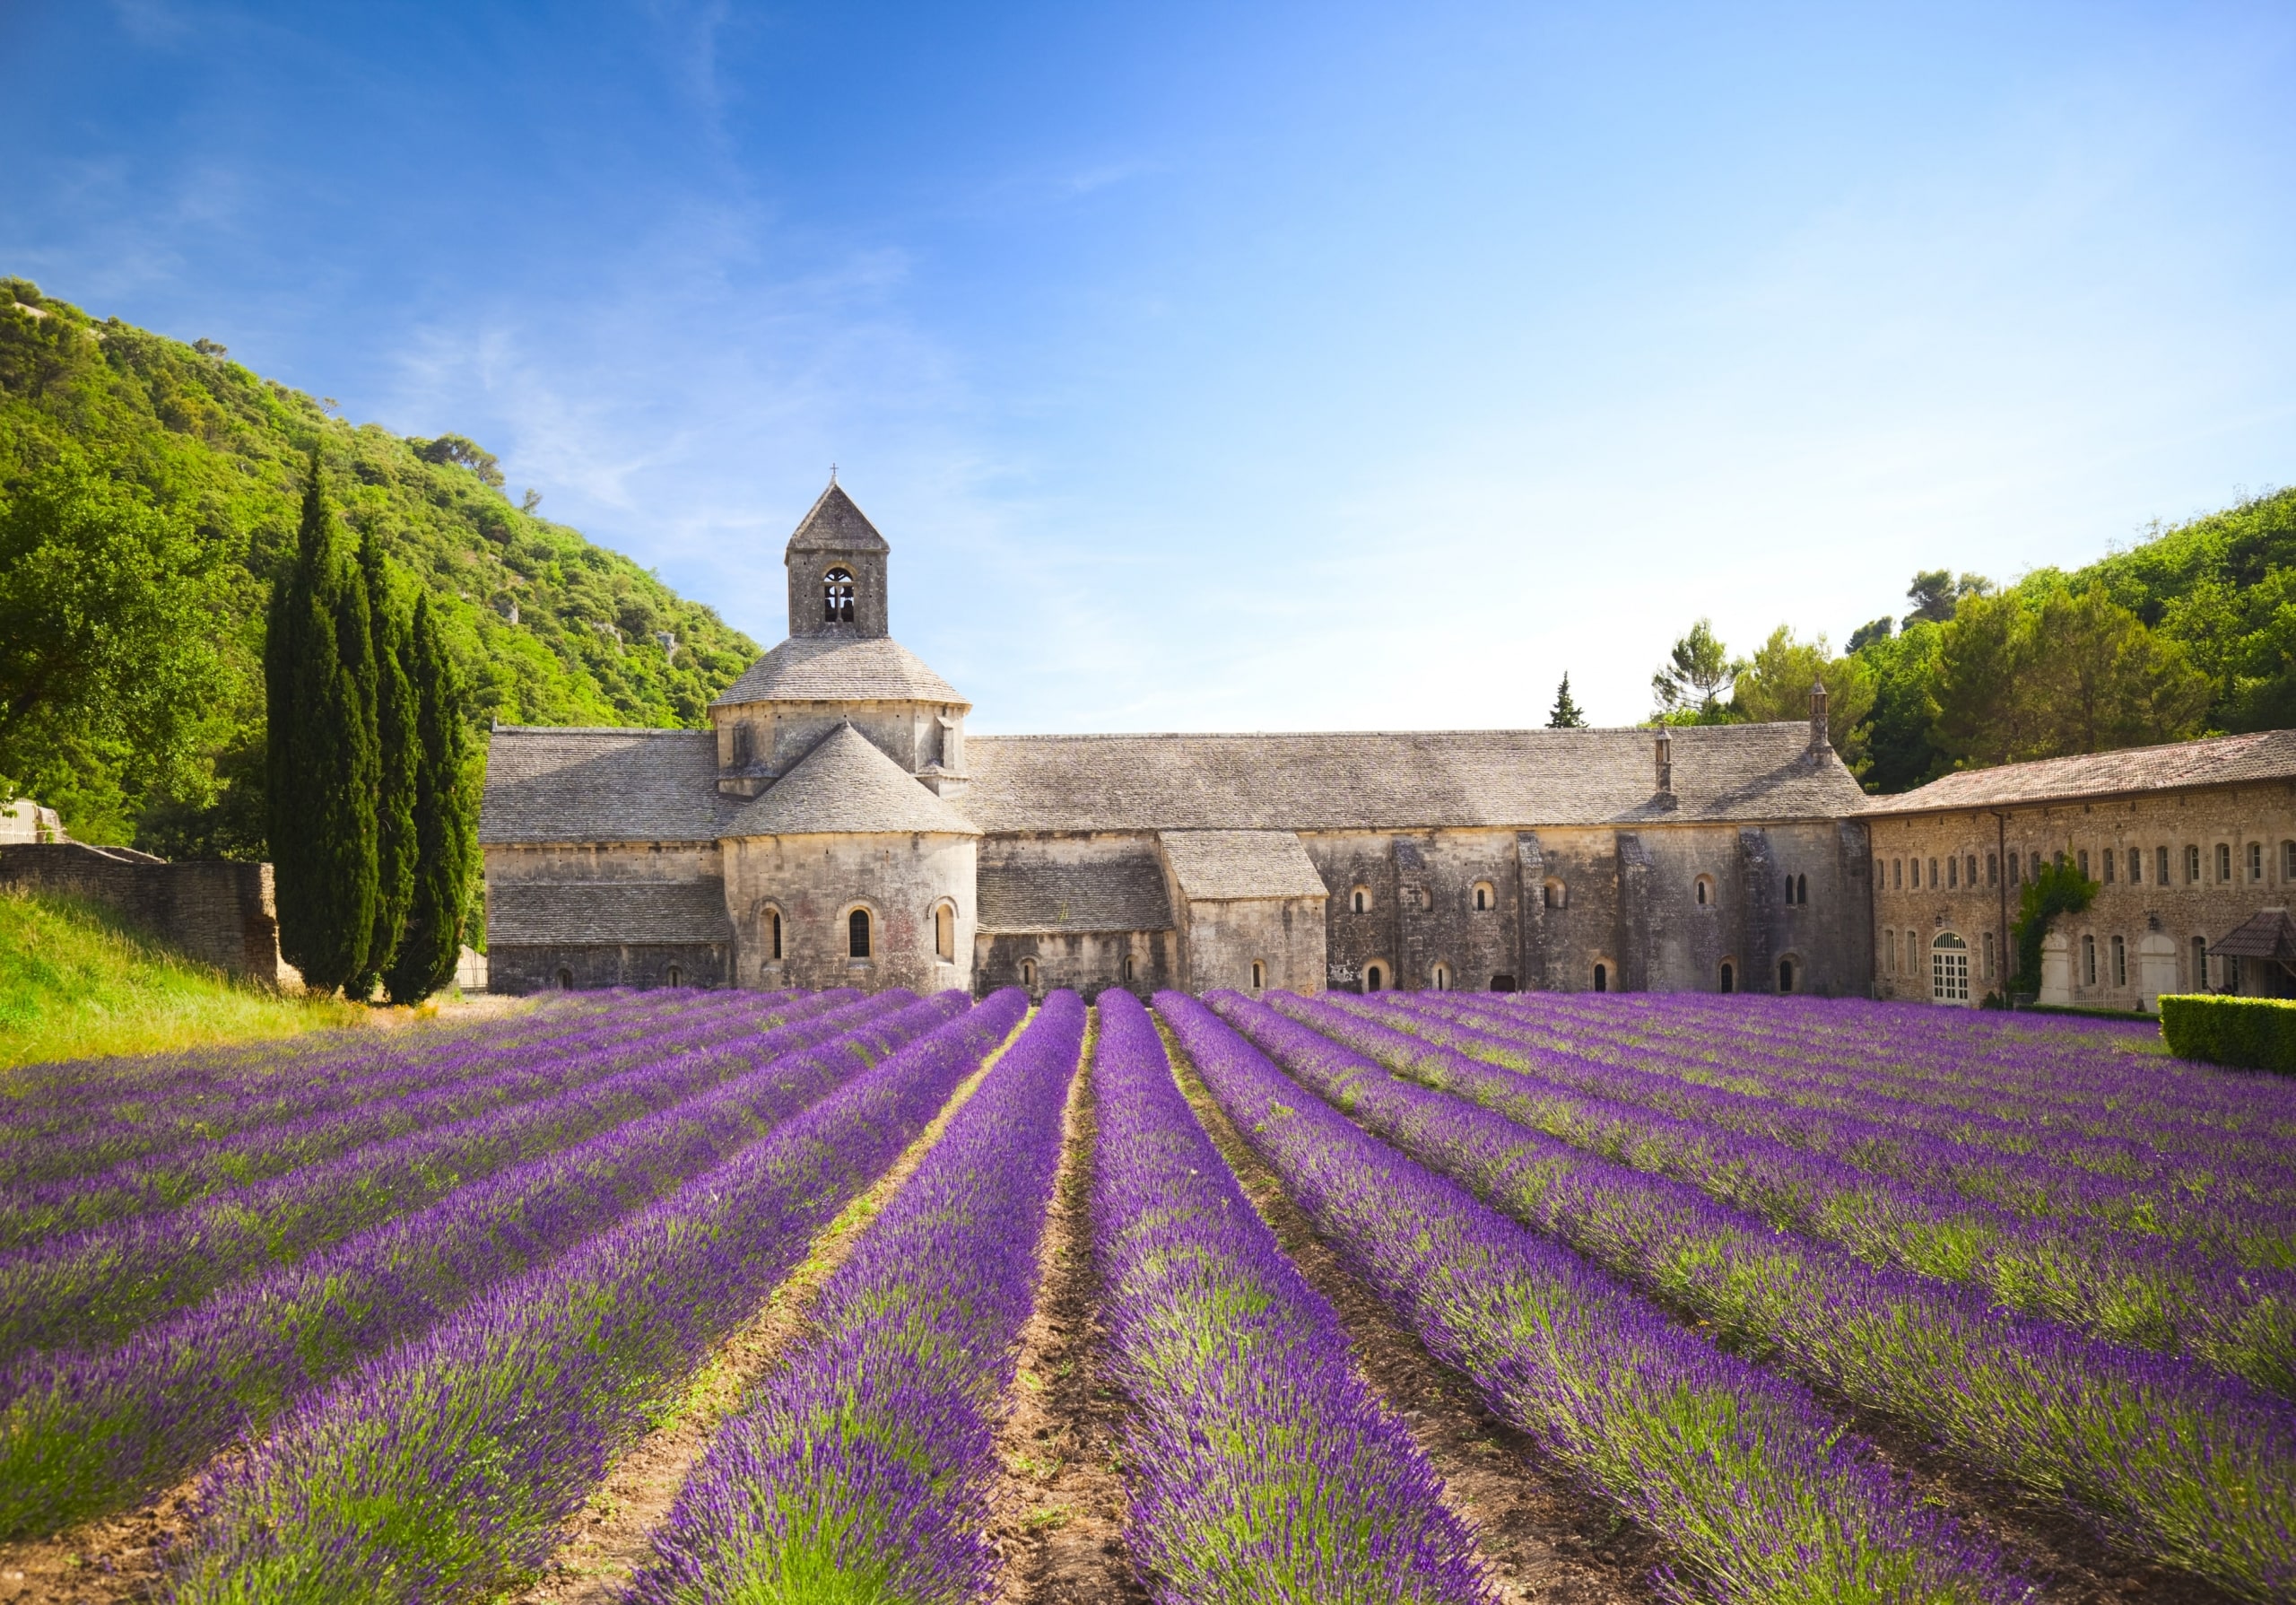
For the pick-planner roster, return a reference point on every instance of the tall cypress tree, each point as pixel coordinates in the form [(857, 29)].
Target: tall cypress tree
[(398, 753), (319, 674), (446, 824)]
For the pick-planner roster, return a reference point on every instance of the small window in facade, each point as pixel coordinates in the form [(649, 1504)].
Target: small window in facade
[(1933, 874), (2288, 860), (2016, 869), (1988, 955), (1889, 952), (1602, 978), (945, 933), (1789, 888), (1441, 976), (2256, 861), (1992, 869), (1028, 973), (2136, 866), (2109, 856), (2200, 963), (1502, 983), (1953, 872), (1949, 969), (2120, 962), (1127, 966), (1801, 888), (674, 978), (2192, 866), (1485, 897), (1784, 974), (836, 597), (1555, 895), (2081, 859), (1729, 976), (1359, 899), (2159, 866), (1708, 892), (1968, 871), (1375, 977), (773, 933), (1897, 874), (1259, 975), (2223, 862), (1913, 953), (2088, 961), (857, 934), (565, 981)]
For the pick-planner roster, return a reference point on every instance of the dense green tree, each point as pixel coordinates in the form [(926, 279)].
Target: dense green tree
[(397, 754), (1692, 681), (109, 629), (1869, 633), (1777, 682), (323, 771), (446, 817), (1566, 714), (1899, 736), (2060, 888)]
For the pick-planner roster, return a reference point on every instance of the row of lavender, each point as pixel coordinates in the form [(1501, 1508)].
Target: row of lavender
[(2166, 1458), (139, 1348), (445, 1466)]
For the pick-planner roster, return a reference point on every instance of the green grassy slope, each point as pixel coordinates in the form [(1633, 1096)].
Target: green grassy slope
[(75, 983), (203, 433)]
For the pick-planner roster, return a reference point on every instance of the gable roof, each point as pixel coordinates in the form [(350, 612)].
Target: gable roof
[(572, 784), (1400, 780), (1234, 865), (845, 785), (2270, 934), (837, 669), (2263, 755), (533, 912), (834, 524), (1041, 894)]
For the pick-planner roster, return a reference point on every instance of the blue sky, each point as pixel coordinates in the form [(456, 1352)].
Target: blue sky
[(1219, 367)]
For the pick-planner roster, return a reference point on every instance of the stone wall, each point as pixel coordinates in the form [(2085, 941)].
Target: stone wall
[(2230, 851), (815, 882), (1089, 962), (1221, 939), (216, 913), (543, 967)]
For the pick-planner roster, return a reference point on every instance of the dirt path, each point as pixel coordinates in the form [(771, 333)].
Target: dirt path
[(610, 1539), (1059, 1515), (1546, 1539)]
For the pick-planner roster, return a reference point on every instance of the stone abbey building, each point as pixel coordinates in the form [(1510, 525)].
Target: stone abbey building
[(837, 827)]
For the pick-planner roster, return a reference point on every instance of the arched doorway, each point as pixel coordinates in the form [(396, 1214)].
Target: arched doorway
[(1375, 977), (1602, 978), (1729, 976)]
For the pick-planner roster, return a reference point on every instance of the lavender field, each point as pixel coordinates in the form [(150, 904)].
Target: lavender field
[(681, 1297)]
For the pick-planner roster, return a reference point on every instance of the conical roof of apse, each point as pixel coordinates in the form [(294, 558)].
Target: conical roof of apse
[(846, 786), (836, 524)]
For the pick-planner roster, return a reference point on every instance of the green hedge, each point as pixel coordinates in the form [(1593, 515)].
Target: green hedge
[(2248, 1033)]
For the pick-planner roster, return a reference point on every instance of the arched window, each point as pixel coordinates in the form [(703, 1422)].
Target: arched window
[(1708, 892), (1949, 969), (1897, 874), (1375, 977), (1801, 888), (1359, 901), (857, 934), (1127, 966), (1259, 975), (836, 597), (1790, 886), (2088, 961), (1602, 978), (1953, 872), (770, 919), (1486, 897), (2199, 964), (1554, 894), (1028, 973), (944, 932), (1502, 983), (1729, 976), (2120, 962), (1441, 976), (1988, 955), (565, 981), (1784, 974)]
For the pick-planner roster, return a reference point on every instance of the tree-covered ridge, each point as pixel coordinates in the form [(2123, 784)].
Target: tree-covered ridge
[(546, 627)]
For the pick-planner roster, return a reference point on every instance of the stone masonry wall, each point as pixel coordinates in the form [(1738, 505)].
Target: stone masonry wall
[(217, 913)]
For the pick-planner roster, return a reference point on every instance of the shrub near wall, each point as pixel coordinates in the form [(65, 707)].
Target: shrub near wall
[(2248, 1033)]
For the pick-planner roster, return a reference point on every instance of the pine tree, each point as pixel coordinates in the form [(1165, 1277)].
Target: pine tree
[(1565, 715), (398, 755), (446, 828), (319, 674)]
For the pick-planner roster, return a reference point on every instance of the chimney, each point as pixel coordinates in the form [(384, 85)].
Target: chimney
[(1819, 739), (1665, 761)]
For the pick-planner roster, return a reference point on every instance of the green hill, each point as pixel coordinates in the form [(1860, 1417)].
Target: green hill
[(75, 983), (551, 629)]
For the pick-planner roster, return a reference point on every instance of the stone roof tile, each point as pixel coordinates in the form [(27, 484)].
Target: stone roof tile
[(2265, 755), (844, 785), (1033, 895), (1400, 780), (1236, 866), (838, 668), (528, 913), (571, 784)]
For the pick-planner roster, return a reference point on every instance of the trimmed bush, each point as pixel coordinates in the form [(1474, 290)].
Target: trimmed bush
[(2248, 1033)]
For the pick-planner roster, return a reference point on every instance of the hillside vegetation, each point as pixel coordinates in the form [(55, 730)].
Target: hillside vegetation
[(546, 627), (75, 983)]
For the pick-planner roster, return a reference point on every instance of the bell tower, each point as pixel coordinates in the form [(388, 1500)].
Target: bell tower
[(836, 572)]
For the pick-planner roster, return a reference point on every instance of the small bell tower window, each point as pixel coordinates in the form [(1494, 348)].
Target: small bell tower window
[(836, 597)]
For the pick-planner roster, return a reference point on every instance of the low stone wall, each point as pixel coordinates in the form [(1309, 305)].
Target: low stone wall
[(518, 968), (217, 913)]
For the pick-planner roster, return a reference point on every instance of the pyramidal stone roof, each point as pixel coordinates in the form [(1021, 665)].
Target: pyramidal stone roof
[(1431, 780), (1238, 866), (574, 784), (835, 668), (835, 524), (2265, 755), (845, 785)]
